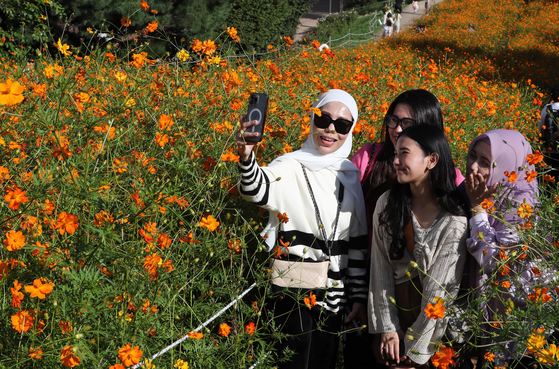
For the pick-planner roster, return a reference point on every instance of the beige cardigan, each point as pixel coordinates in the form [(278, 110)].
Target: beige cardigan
[(440, 253)]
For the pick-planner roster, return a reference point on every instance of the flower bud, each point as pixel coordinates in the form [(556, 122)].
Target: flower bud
[(392, 300), (414, 265), (409, 337)]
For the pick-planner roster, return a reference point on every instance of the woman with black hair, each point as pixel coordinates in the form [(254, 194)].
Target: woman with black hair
[(378, 175), (419, 248)]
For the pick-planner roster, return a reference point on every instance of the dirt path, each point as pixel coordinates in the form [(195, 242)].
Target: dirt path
[(309, 21)]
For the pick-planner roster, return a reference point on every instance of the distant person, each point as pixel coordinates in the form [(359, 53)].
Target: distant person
[(471, 28), (415, 6), (397, 20), (398, 6), (385, 9), (549, 119), (388, 26), (426, 6), (550, 115)]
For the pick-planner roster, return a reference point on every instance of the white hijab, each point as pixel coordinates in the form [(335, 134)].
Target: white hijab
[(337, 162)]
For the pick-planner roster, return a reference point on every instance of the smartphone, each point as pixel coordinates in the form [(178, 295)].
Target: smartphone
[(257, 109)]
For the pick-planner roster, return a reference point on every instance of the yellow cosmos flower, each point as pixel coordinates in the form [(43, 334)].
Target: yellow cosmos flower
[(64, 49), (11, 93)]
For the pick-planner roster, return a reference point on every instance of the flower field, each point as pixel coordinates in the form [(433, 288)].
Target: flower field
[(122, 228)]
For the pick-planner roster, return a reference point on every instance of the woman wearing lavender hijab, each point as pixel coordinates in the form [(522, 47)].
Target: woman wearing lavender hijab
[(492, 159)]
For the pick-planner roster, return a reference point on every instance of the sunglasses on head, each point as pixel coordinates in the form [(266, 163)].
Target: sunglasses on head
[(343, 126)]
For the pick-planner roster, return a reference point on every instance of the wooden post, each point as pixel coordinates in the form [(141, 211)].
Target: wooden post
[(341, 6)]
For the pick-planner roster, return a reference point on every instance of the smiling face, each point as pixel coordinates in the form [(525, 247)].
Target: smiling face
[(327, 140), (479, 160), (411, 163), (401, 111)]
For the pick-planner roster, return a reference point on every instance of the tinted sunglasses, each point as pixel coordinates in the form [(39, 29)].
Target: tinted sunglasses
[(393, 121), (343, 126)]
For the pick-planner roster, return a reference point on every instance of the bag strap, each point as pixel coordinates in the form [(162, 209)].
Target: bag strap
[(409, 237), (327, 241)]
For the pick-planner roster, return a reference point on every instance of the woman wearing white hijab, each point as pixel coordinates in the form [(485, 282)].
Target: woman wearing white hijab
[(305, 186)]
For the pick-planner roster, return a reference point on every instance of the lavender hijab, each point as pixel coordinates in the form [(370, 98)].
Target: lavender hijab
[(509, 150)]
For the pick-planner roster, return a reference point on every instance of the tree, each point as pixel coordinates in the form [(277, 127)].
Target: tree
[(25, 23), (263, 22)]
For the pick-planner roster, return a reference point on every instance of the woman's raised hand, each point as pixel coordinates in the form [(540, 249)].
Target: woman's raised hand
[(245, 148), (477, 190)]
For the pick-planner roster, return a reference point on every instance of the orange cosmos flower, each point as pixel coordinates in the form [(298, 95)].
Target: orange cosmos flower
[(152, 26), (525, 211), (436, 311), (512, 176), (250, 328), (117, 366), (165, 122), (489, 356), (69, 357), (15, 197), (130, 355), (11, 93), (161, 140), (224, 330), (120, 166), (283, 218), (66, 223), (151, 263), (443, 358), (229, 156), (535, 158), (65, 326), (530, 176), (540, 296), (487, 203), (196, 45), (234, 246), (22, 321), (209, 163), (548, 178), (232, 32), (315, 44), (163, 241), (3, 270), (125, 22), (310, 301), (14, 240), (505, 284), (195, 335), (209, 222), (17, 296), (35, 353), (144, 5), (208, 47), (288, 41), (39, 289)]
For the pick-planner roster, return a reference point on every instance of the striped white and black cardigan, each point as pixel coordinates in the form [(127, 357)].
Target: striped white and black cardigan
[(281, 188)]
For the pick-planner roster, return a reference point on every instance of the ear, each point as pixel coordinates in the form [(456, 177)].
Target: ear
[(433, 159)]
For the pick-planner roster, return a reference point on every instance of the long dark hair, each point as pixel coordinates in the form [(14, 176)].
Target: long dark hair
[(381, 176), (396, 215)]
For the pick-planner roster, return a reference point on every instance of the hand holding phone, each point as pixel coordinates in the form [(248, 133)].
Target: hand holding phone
[(252, 124), (257, 110)]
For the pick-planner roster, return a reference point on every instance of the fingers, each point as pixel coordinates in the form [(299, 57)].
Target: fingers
[(245, 124), (351, 316)]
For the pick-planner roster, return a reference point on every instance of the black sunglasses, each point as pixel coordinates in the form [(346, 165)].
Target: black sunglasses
[(393, 121), (343, 126)]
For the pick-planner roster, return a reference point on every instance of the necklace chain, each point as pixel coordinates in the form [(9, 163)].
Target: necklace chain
[(329, 241)]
